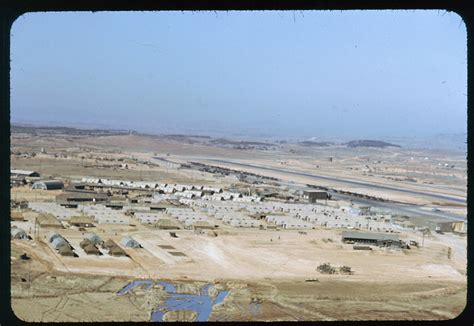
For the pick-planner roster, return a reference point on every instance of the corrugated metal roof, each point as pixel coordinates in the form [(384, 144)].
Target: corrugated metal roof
[(81, 220), (369, 236), (23, 172)]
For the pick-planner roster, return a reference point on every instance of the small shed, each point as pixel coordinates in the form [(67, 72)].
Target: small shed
[(17, 233), (129, 242), (48, 185), (313, 195), (444, 226)]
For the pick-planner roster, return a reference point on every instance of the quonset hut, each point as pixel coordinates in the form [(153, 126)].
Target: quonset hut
[(53, 235), (48, 185), (129, 242), (58, 243), (94, 238), (17, 233)]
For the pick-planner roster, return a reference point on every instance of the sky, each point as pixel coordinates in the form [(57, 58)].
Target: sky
[(308, 74)]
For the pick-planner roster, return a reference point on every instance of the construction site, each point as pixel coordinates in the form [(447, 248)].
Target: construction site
[(130, 227)]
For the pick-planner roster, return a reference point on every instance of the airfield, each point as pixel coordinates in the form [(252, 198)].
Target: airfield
[(238, 220)]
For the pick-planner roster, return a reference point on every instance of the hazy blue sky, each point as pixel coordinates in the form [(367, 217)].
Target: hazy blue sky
[(295, 73)]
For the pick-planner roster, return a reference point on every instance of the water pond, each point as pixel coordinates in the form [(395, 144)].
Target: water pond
[(201, 303)]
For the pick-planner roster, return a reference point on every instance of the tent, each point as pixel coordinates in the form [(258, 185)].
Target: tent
[(81, 221), (53, 235), (117, 251), (166, 224), (66, 251), (109, 244), (84, 243), (90, 249), (202, 225)]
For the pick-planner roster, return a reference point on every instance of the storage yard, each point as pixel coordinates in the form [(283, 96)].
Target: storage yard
[(281, 233)]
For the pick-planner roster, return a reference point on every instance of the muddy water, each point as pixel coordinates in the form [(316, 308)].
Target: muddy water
[(201, 303)]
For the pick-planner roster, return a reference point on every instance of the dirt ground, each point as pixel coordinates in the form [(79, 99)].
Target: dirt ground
[(42, 294), (265, 271), (420, 283)]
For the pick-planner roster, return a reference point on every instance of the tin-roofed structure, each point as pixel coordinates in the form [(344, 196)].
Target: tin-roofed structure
[(369, 237), (24, 173)]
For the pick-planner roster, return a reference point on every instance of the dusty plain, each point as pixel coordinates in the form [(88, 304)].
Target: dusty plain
[(270, 274)]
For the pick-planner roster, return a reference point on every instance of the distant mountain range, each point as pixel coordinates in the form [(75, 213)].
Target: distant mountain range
[(443, 141)]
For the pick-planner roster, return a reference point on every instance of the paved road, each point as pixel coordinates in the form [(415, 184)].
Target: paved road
[(349, 182)]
